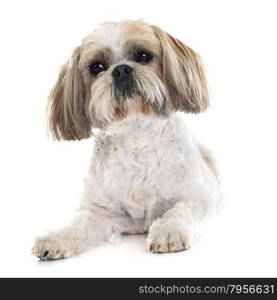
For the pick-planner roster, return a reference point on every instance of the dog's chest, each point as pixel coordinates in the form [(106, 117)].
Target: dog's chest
[(138, 163), (127, 164)]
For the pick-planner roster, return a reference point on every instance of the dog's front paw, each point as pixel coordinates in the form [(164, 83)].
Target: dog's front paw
[(53, 247), (169, 236)]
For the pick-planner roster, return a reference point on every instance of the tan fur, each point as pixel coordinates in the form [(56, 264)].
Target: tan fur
[(120, 111), (66, 107), (136, 105), (183, 72), (146, 109), (173, 80), (209, 159)]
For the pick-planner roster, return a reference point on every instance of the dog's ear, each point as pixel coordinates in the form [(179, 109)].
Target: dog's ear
[(67, 104), (184, 74)]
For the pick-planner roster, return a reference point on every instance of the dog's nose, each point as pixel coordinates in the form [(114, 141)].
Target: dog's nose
[(122, 71), (123, 81)]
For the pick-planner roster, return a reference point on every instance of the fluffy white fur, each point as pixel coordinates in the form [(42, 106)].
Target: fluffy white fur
[(157, 180), (147, 174)]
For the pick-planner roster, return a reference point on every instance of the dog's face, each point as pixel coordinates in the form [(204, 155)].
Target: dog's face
[(122, 68)]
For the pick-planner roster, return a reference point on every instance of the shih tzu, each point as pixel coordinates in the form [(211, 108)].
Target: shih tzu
[(148, 174)]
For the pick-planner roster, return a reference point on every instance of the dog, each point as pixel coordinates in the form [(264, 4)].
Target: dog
[(133, 81)]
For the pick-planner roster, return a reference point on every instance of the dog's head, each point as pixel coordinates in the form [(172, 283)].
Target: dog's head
[(122, 68)]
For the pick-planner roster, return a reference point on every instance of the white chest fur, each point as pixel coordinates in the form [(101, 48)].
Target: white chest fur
[(142, 162), (147, 175)]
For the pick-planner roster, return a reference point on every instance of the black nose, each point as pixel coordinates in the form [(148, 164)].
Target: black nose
[(122, 71)]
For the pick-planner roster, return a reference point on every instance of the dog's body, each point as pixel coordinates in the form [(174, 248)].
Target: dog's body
[(148, 174)]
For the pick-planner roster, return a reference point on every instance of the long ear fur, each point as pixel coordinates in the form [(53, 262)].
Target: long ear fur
[(184, 74), (66, 107)]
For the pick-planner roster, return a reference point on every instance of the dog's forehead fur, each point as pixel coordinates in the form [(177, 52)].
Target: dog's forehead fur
[(114, 41)]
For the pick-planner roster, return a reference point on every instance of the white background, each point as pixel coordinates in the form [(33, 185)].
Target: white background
[(41, 180)]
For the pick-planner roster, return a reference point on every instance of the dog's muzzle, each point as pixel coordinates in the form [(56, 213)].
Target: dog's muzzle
[(123, 81)]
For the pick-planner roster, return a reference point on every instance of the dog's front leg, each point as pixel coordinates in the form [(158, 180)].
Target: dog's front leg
[(176, 230), (88, 229)]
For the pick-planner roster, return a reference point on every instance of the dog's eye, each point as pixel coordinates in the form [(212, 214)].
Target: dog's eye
[(143, 56), (97, 67)]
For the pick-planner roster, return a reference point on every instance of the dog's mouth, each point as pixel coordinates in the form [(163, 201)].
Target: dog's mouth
[(131, 94), (130, 100), (124, 89)]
